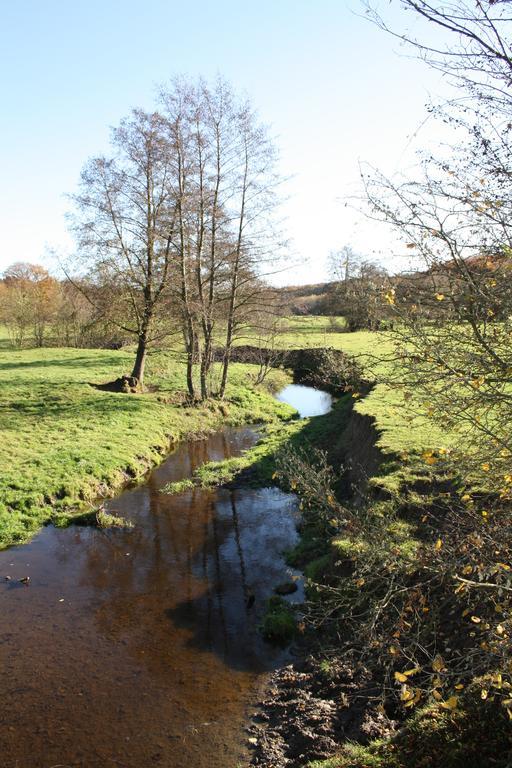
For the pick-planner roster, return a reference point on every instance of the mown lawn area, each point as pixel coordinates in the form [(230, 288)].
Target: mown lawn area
[(63, 442)]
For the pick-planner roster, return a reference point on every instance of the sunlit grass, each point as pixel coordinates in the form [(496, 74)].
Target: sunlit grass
[(64, 442)]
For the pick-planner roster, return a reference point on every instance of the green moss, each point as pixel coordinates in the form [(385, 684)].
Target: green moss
[(314, 569), (279, 625), (106, 520), (348, 548)]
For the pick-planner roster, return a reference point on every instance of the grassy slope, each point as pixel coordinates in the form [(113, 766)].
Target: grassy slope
[(63, 440), (399, 432)]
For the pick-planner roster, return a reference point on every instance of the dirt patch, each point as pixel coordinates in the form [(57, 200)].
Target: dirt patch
[(126, 384), (310, 708)]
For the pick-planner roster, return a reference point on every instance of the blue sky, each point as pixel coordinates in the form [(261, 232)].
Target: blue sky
[(334, 88)]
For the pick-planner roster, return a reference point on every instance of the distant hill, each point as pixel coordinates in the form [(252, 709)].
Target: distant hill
[(306, 299)]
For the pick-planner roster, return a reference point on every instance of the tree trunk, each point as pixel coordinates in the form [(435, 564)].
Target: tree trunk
[(140, 360), (225, 364), (192, 352)]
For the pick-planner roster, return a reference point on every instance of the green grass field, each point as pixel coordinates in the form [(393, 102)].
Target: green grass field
[(64, 442), (399, 430)]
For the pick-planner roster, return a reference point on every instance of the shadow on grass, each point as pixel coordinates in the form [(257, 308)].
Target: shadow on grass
[(104, 405), (84, 361)]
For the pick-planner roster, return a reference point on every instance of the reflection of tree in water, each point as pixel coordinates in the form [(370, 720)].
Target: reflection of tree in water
[(196, 559)]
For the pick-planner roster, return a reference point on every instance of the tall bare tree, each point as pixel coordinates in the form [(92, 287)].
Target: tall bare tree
[(124, 221), (225, 187)]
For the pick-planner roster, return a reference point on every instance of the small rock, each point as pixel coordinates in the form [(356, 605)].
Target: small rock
[(286, 588)]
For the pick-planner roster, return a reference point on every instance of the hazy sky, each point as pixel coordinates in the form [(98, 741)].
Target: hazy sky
[(335, 90)]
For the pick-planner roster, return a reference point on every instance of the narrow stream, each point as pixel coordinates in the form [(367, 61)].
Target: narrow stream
[(307, 400), (138, 648)]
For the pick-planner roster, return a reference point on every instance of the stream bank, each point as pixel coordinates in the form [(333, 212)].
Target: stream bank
[(139, 646)]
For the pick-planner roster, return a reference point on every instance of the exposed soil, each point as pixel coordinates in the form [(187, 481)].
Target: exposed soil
[(308, 710), (126, 384)]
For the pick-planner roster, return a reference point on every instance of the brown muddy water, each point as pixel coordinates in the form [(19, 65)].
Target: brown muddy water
[(137, 647)]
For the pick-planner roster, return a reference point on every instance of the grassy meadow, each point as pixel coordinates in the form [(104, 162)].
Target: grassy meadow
[(400, 431), (65, 442)]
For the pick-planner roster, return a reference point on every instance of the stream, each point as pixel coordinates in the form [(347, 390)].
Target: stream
[(131, 648)]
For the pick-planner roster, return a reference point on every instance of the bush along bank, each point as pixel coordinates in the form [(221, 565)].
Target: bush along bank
[(406, 632)]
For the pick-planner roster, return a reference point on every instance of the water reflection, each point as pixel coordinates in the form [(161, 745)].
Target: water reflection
[(307, 400), (138, 647)]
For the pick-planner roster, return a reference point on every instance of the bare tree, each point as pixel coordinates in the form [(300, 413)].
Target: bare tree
[(454, 329), (357, 290), (125, 224), (224, 187), (468, 41)]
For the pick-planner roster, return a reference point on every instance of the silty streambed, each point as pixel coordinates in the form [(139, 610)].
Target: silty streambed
[(140, 647)]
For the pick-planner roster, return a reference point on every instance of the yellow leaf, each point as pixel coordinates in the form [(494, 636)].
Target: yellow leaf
[(438, 544), (409, 672), (440, 296), (437, 696), (406, 694), (484, 694), (486, 466), (400, 677), (450, 703), (459, 687), (417, 696), (393, 650), (438, 664)]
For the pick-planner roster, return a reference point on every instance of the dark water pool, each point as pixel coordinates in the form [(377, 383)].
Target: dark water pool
[(138, 648)]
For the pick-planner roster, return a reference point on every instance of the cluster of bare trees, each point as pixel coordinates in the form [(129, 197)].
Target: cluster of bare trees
[(356, 290), (175, 229)]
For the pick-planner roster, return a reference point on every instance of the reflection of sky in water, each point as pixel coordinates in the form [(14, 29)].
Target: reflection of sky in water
[(307, 400)]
